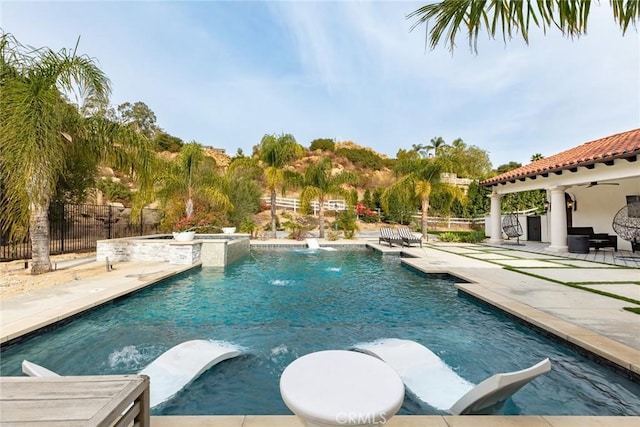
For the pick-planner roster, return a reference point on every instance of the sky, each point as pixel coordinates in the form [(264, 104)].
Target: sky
[(225, 73)]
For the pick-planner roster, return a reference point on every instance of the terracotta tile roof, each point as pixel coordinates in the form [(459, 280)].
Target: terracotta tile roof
[(618, 146)]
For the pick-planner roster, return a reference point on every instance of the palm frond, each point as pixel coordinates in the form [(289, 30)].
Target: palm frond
[(512, 18), (626, 13)]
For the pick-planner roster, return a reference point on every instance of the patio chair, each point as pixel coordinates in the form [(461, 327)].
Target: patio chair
[(388, 235), (511, 227), (408, 238), (626, 223)]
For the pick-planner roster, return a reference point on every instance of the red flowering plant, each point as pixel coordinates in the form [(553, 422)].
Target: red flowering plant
[(200, 222), (366, 214), (183, 224)]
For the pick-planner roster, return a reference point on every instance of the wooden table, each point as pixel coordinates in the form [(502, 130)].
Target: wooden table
[(115, 400)]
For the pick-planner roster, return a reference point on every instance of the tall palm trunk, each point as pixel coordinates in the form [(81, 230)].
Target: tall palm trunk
[(273, 213), (39, 234), (424, 217), (321, 216)]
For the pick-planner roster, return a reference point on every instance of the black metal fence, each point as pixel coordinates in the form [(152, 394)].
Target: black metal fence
[(76, 228)]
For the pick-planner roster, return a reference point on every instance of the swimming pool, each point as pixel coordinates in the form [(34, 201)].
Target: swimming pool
[(279, 305)]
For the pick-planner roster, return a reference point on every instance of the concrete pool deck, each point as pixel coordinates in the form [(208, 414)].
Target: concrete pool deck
[(529, 286)]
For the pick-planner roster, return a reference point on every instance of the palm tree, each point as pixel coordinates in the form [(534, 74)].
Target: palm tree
[(422, 177), (192, 176), (245, 192), (38, 130), (436, 144), (513, 17), (318, 183), (275, 152), (418, 177), (536, 157)]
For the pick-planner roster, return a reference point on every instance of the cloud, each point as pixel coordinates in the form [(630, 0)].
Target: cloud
[(225, 73)]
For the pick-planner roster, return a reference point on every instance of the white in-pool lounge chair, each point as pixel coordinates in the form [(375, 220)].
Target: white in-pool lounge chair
[(33, 370), (313, 244), (434, 382), (172, 370)]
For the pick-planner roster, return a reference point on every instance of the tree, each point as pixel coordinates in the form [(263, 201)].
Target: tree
[(465, 161), (139, 116), (367, 200), (39, 131), (537, 157), (190, 180), (436, 144), (421, 149), (513, 18), (275, 152), (421, 176), (318, 183), (166, 142), (398, 204), (478, 200), (418, 178), (244, 189), (507, 167)]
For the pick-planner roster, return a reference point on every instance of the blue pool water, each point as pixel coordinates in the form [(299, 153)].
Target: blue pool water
[(279, 305)]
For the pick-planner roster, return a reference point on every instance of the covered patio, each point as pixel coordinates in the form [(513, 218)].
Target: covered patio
[(586, 186)]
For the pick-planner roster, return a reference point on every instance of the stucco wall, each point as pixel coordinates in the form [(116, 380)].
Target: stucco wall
[(596, 206)]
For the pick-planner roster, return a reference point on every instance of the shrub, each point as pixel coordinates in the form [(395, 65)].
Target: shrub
[(370, 216), (200, 223), (449, 237), (324, 144), (462, 236), (361, 157), (114, 190), (333, 235), (299, 228), (346, 221), (349, 234), (249, 227), (473, 237)]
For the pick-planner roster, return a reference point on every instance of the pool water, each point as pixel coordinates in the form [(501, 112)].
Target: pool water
[(279, 305)]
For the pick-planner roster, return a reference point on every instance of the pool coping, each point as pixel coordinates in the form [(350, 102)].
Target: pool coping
[(76, 298), (403, 421), (622, 358)]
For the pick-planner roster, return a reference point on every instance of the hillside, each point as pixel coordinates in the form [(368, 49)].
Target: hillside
[(370, 177), (114, 185)]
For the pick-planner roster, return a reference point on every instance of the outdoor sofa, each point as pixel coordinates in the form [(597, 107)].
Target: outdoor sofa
[(596, 240)]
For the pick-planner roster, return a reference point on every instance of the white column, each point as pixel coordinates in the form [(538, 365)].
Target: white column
[(496, 223), (558, 220)]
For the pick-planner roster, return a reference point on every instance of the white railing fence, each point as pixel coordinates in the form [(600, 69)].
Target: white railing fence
[(294, 204), (341, 205)]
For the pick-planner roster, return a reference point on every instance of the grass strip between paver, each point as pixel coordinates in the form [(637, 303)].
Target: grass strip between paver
[(575, 285)]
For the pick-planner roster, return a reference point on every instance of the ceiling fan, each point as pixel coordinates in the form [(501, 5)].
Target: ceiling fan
[(594, 183)]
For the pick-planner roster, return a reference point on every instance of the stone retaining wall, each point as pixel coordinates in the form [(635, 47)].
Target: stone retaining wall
[(212, 251)]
